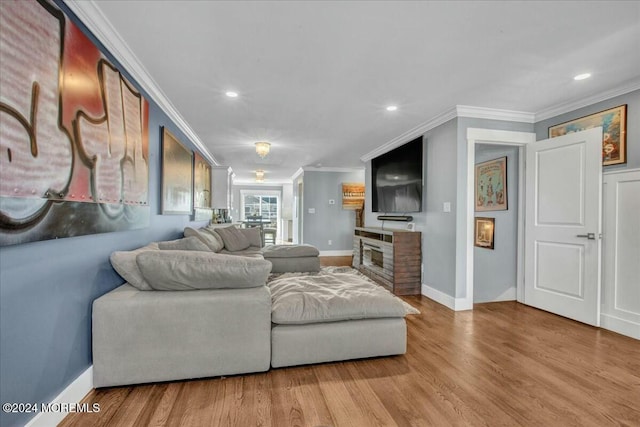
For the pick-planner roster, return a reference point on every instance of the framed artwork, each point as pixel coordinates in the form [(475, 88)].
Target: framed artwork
[(177, 176), (352, 195), (484, 232), (491, 185), (614, 132), (75, 157), (201, 188)]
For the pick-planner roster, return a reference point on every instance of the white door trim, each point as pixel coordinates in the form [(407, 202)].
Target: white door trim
[(496, 137)]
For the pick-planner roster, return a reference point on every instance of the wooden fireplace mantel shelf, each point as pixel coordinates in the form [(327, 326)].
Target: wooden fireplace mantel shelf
[(390, 257)]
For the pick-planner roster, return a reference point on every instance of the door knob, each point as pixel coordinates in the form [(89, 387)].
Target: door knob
[(590, 236)]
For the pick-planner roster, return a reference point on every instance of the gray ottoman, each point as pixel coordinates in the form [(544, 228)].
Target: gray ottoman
[(292, 258)]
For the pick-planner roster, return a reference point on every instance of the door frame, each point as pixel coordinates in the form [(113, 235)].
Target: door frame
[(493, 137)]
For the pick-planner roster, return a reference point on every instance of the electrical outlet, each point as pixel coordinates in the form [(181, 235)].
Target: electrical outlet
[(446, 207), (332, 202), (330, 242), (312, 210)]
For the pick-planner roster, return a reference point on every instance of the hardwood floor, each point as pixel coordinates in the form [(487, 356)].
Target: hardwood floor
[(504, 364), (337, 261)]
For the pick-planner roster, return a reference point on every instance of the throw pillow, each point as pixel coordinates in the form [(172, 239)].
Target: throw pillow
[(210, 239), (124, 262), (187, 244), (188, 270), (254, 236), (233, 239)]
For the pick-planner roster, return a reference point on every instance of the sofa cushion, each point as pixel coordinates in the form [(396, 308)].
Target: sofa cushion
[(206, 236), (233, 238), (186, 270), (124, 262), (251, 251), (254, 235), (290, 251), (187, 244)]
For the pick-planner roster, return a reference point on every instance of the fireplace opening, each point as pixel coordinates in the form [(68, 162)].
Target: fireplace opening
[(377, 258)]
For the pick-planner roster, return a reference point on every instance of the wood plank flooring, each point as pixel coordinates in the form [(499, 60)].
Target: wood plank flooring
[(337, 261), (504, 364)]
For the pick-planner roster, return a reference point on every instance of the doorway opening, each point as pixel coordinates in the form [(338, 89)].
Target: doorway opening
[(505, 139)]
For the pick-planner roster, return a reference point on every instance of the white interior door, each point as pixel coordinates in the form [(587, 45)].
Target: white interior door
[(563, 225)]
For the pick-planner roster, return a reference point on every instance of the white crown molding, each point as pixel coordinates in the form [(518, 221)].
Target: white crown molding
[(91, 16), (411, 133), (494, 114), (457, 111), (274, 183), (584, 102), (331, 169), (296, 174)]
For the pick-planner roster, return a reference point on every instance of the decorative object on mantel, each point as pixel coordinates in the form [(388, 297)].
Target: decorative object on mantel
[(484, 232), (201, 188), (352, 195), (72, 163), (262, 148), (177, 175), (614, 132), (259, 175), (491, 185)]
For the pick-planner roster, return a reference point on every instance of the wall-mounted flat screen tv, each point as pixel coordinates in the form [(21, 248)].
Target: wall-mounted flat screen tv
[(396, 178)]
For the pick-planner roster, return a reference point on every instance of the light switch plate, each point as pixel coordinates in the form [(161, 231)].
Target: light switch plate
[(446, 207), (312, 210), (332, 202)]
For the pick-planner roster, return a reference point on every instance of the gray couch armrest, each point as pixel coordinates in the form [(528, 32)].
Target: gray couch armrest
[(150, 336)]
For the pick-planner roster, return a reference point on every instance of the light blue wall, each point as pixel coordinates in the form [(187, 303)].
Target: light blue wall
[(632, 100), (494, 272), (47, 288), (329, 222)]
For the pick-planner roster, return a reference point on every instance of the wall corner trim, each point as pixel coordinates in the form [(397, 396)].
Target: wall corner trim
[(74, 393), (296, 174), (455, 304), (91, 16)]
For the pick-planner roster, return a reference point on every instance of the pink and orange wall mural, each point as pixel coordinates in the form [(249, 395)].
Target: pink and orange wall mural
[(74, 147)]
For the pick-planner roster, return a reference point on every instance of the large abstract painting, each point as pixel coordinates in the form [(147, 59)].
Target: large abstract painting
[(201, 188), (73, 132), (177, 176)]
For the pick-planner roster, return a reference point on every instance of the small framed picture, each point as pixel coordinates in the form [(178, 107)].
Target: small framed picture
[(411, 226), (484, 232)]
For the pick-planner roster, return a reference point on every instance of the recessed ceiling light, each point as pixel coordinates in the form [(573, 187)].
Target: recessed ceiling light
[(582, 76), (232, 94), (392, 108)]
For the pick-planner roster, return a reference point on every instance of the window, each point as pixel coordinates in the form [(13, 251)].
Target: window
[(265, 206)]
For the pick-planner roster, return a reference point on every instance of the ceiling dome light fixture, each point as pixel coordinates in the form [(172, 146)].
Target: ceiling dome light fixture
[(392, 108), (259, 175), (582, 76), (262, 148), (232, 94)]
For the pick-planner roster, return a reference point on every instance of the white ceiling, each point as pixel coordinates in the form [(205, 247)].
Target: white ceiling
[(314, 78)]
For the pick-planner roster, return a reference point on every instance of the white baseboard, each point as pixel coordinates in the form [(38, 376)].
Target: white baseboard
[(508, 295), (347, 252), (456, 304), (621, 326), (74, 393)]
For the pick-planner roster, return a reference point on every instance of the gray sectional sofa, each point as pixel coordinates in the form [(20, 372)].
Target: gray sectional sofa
[(201, 307)]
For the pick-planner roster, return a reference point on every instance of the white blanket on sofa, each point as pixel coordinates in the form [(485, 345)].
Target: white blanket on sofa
[(332, 295)]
